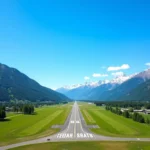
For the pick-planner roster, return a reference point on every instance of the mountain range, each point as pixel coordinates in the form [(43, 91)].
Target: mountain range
[(16, 85), (120, 88)]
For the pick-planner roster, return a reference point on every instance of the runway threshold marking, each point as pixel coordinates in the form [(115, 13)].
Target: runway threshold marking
[(74, 122)]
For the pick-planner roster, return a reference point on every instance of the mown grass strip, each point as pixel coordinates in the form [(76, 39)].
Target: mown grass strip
[(41, 124), (11, 130), (114, 123), (88, 117)]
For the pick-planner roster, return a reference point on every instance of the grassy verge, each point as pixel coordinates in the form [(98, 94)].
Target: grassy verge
[(26, 127), (111, 124), (88, 146)]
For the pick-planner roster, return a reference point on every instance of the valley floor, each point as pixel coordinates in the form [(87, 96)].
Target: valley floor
[(75, 129)]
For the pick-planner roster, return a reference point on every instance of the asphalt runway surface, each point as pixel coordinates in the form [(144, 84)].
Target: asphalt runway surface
[(75, 129)]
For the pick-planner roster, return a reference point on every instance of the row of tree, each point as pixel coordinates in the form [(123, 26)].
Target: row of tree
[(26, 108), (17, 105), (126, 104), (128, 114)]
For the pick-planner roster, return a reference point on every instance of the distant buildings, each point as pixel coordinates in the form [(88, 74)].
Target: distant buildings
[(124, 109), (141, 110), (9, 109), (145, 111)]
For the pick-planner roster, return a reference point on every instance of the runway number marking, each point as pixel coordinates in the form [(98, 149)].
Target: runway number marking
[(84, 135), (72, 121), (63, 136), (70, 135)]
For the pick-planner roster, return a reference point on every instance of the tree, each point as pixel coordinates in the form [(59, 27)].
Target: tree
[(2, 113), (147, 106), (126, 114), (28, 109), (137, 117), (134, 116), (25, 109), (141, 119), (119, 112)]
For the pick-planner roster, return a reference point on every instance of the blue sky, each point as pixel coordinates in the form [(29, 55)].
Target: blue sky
[(59, 42)]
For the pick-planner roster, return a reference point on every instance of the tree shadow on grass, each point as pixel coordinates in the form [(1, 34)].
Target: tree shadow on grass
[(5, 120), (35, 113)]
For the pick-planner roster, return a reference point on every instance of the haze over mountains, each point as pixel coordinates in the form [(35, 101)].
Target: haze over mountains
[(16, 85), (119, 88)]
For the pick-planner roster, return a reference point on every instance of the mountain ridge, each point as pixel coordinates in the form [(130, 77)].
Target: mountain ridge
[(142, 92), (126, 86), (14, 84)]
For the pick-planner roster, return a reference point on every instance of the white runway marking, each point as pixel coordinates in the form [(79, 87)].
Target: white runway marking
[(72, 121), (65, 135), (84, 135), (138, 139), (70, 135)]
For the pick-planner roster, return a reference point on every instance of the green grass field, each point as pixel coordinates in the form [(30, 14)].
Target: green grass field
[(111, 124), (88, 146), (25, 127)]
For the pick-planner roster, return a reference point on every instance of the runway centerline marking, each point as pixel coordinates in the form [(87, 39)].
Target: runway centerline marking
[(75, 121)]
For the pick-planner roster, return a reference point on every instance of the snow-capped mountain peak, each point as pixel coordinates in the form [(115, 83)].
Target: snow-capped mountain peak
[(117, 80)]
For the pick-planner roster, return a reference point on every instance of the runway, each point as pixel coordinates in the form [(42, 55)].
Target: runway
[(74, 128)]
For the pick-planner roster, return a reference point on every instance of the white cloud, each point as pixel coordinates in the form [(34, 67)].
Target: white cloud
[(118, 74), (86, 78), (123, 67), (97, 75), (148, 64)]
